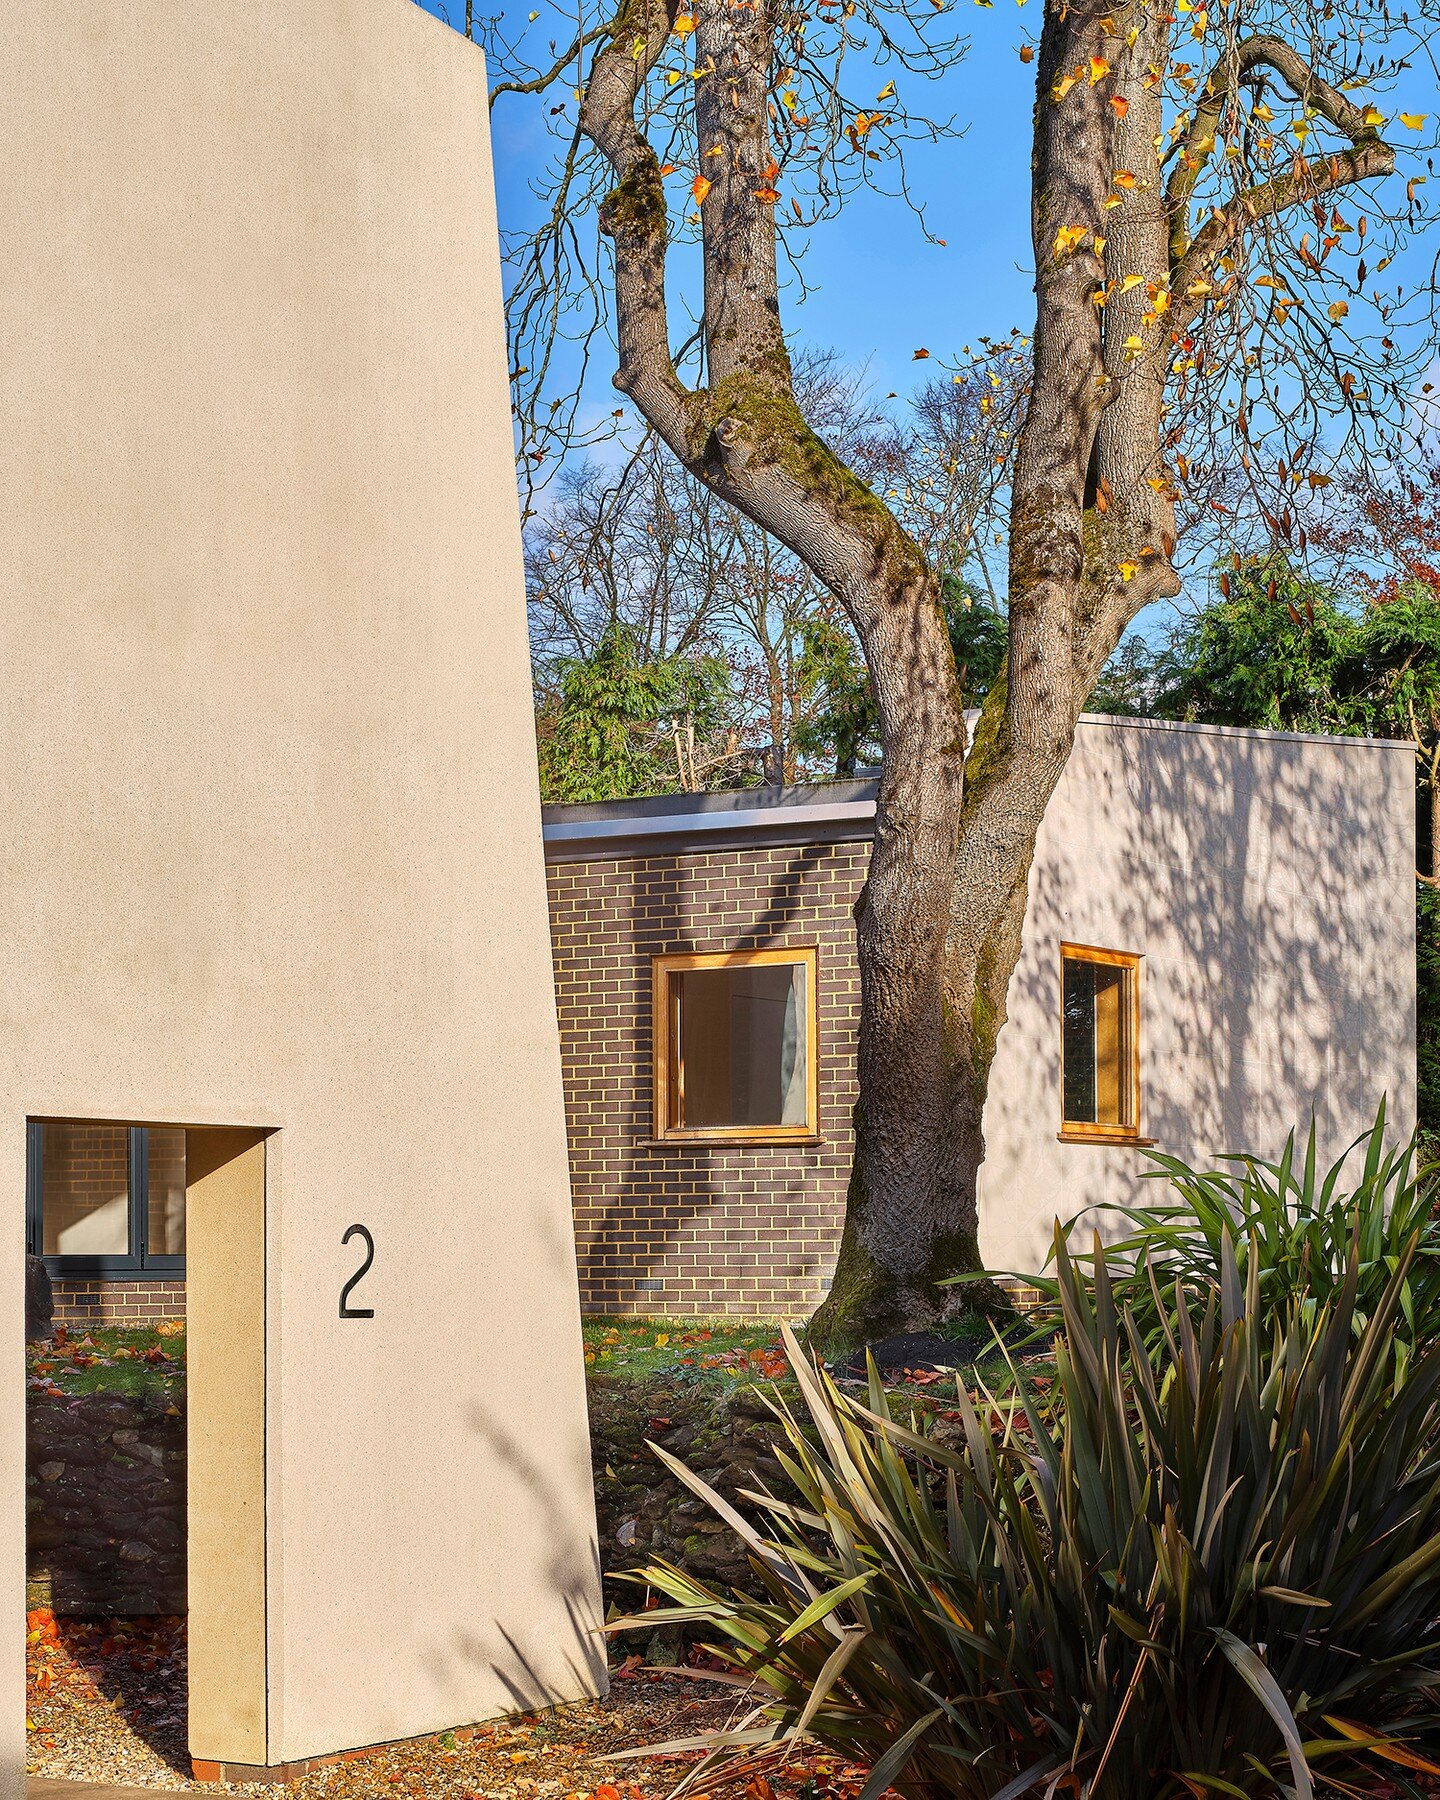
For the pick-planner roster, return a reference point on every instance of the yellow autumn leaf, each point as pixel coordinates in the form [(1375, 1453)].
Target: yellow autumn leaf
[(1413, 121), (887, 92), (1130, 281), (700, 187), (673, 75), (1127, 570), (1062, 87), (1373, 117), (1099, 69), (1262, 111), (1067, 237), (1339, 310), (684, 25)]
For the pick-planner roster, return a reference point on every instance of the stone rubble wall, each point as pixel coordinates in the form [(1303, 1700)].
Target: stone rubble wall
[(106, 1493), (105, 1505)]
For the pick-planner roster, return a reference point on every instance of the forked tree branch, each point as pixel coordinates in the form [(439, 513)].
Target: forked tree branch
[(551, 75), (1192, 263)]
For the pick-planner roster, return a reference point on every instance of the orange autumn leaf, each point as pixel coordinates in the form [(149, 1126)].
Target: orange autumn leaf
[(667, 168), (684, 25), (768, 195), (1099, 69), (1027, 53), (1121, 105), (1125, 179), (700, 187)]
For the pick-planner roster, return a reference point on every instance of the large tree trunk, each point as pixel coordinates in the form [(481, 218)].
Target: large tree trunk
[(912, 1212)]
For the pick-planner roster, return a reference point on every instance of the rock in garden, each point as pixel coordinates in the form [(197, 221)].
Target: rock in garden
[(39, 1303)]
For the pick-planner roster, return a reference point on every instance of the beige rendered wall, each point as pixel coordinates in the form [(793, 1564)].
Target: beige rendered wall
[(269, 831), (1267, 880)]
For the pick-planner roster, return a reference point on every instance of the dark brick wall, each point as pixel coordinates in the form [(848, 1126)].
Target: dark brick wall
[(692, 1230)]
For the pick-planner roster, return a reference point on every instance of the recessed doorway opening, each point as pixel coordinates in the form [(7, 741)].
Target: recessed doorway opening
[(145, 1427)]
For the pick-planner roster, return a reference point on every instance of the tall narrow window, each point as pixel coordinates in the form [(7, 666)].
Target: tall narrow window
[(735, 1045), (1099, 1043), (106, 1199)]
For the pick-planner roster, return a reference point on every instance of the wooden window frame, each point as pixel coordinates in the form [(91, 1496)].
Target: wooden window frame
[(1080, 1131), (665, 1046)]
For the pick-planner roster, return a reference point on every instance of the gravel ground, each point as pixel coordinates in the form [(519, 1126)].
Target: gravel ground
[(107, 1704)]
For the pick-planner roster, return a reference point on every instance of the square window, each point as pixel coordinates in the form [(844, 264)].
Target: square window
[(735, 1045), (104, 1199), (1099, 1043)]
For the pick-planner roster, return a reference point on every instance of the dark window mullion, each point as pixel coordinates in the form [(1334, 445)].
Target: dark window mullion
[(139, 1193), (34, 1187)]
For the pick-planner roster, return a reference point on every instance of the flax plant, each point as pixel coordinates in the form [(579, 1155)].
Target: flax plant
[(1212, 1572), (1296, 1225)]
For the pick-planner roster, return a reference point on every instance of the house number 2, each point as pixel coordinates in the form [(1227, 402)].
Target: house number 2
[(347, 1311)]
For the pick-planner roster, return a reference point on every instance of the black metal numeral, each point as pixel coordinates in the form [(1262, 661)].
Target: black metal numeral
[(347, 1311)]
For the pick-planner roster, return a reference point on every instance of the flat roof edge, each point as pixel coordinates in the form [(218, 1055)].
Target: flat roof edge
[(575, 840), (1337, 740)]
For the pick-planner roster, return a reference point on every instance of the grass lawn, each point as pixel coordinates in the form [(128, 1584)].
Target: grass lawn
[(723, 1351), (720, 1354), (727, 1353), (146, 1362)]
